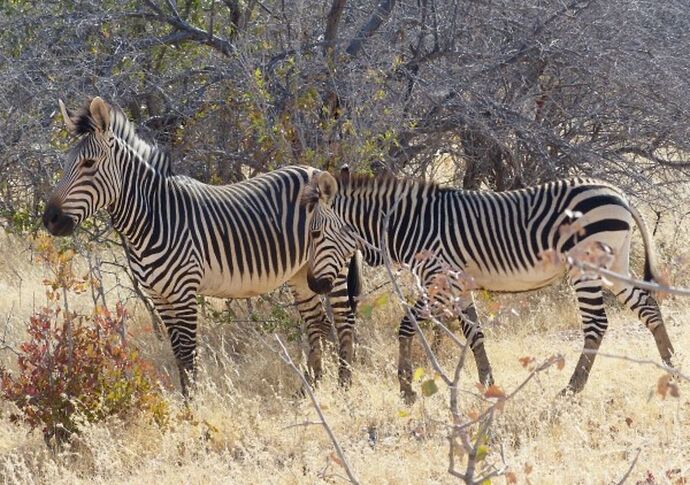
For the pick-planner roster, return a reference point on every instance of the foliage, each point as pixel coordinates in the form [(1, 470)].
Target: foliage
[(504, 93), (75, 368)]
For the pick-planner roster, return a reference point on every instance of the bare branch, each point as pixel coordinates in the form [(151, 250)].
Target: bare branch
[(307, 387)]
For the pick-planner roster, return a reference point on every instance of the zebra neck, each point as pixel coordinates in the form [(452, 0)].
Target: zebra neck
[(365, 206), (140, 204)]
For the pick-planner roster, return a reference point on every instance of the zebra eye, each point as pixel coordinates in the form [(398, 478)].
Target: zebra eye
[(88, 163)]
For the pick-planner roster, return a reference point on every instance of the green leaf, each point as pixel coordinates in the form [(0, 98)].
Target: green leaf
[(429, 388), (418, 374), (381, 300), (482, 450), (366, 310)]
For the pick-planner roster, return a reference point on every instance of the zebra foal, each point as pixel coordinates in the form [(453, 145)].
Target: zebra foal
[(187, 238), (497, 239)]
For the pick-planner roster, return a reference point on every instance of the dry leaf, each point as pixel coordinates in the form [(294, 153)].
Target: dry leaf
[(494, 391)]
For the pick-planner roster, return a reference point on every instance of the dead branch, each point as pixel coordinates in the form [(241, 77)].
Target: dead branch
[(285, 356)]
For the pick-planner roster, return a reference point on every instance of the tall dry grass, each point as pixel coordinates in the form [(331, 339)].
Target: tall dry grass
[(245, 424)]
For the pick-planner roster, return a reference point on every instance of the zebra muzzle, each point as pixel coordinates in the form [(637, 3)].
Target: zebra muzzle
[(321, 285), (57, 222)]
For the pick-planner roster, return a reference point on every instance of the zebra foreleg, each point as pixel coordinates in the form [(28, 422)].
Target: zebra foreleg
[(179, 319), (344, 320), (594, 325), (645, 306), (317, 328)]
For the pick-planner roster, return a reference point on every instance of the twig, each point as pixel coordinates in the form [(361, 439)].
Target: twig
[(303, 424), (630, 468), (285, 356), (645, 285), (668, 369)]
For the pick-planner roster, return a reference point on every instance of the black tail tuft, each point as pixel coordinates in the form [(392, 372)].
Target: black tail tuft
[(648, 276), (354, 280)]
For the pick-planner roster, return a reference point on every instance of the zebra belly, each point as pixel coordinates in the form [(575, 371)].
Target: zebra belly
[(241, 286), (521, 281)]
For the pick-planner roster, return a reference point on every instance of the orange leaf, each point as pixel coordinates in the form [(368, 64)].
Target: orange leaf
[(494, 391)]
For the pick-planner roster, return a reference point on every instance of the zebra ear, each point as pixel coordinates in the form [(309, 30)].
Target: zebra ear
[(327, 187), (69, 118), (345, 172), (100, 114)]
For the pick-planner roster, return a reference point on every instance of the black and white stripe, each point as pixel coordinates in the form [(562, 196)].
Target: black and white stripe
[(187, 238), (501, 241)]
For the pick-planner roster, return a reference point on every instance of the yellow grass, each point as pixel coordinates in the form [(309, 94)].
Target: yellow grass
[(246, 426)]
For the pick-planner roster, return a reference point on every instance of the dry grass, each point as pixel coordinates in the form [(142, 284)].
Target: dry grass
[(245, 426)]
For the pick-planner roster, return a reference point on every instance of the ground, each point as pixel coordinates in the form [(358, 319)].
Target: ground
[(246, 425)]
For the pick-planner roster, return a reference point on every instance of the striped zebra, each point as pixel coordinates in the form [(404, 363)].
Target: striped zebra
[(187, 238), (501, 241)]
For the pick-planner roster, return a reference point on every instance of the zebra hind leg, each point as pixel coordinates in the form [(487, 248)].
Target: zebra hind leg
[(471, 328), (180, 320), (344, 320), (645, 306), (594, 325), (405, 334)]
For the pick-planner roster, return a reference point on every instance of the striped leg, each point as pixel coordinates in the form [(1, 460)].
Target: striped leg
[(317, 327), (344, 320), (179, 318), (471, 328), (594, 325), (405, 334), (643, 304)]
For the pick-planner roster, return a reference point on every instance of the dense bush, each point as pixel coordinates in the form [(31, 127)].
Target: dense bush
[(76, 367)]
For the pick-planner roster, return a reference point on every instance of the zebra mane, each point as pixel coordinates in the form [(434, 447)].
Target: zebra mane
[(356, 181), (124, 130)]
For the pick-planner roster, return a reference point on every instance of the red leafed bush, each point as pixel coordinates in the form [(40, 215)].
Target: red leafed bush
[(81, 371), (78, 368)]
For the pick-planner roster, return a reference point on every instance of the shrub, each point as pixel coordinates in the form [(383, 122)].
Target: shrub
[(75, 368)]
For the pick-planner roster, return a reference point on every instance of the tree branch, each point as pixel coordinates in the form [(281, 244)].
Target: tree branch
[(377, 18)]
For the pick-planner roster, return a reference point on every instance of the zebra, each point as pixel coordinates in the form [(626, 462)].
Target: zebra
[(186, 238), (501, 241)]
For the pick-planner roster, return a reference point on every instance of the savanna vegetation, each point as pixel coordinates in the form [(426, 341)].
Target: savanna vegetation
[(478, 94)]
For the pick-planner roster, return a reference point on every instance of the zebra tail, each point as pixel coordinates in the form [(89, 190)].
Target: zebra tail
[(354, 280), (651, 272)]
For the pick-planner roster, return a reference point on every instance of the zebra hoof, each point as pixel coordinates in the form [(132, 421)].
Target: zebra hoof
[(300, 393), (408, 396), (345, 379), (568, 391)]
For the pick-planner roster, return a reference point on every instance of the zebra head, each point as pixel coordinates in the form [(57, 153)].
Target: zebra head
[(90, 181), (332, 241)]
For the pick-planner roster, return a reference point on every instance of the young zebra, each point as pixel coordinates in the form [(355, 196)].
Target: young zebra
[(187, 238), (502, 241)]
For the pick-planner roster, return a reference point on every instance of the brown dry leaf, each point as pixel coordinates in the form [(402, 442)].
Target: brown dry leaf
[(473, 414), (494, 391), (628, 421), (526, 361), (423, 255), (335, 458), (664, 386), (511, 477)]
